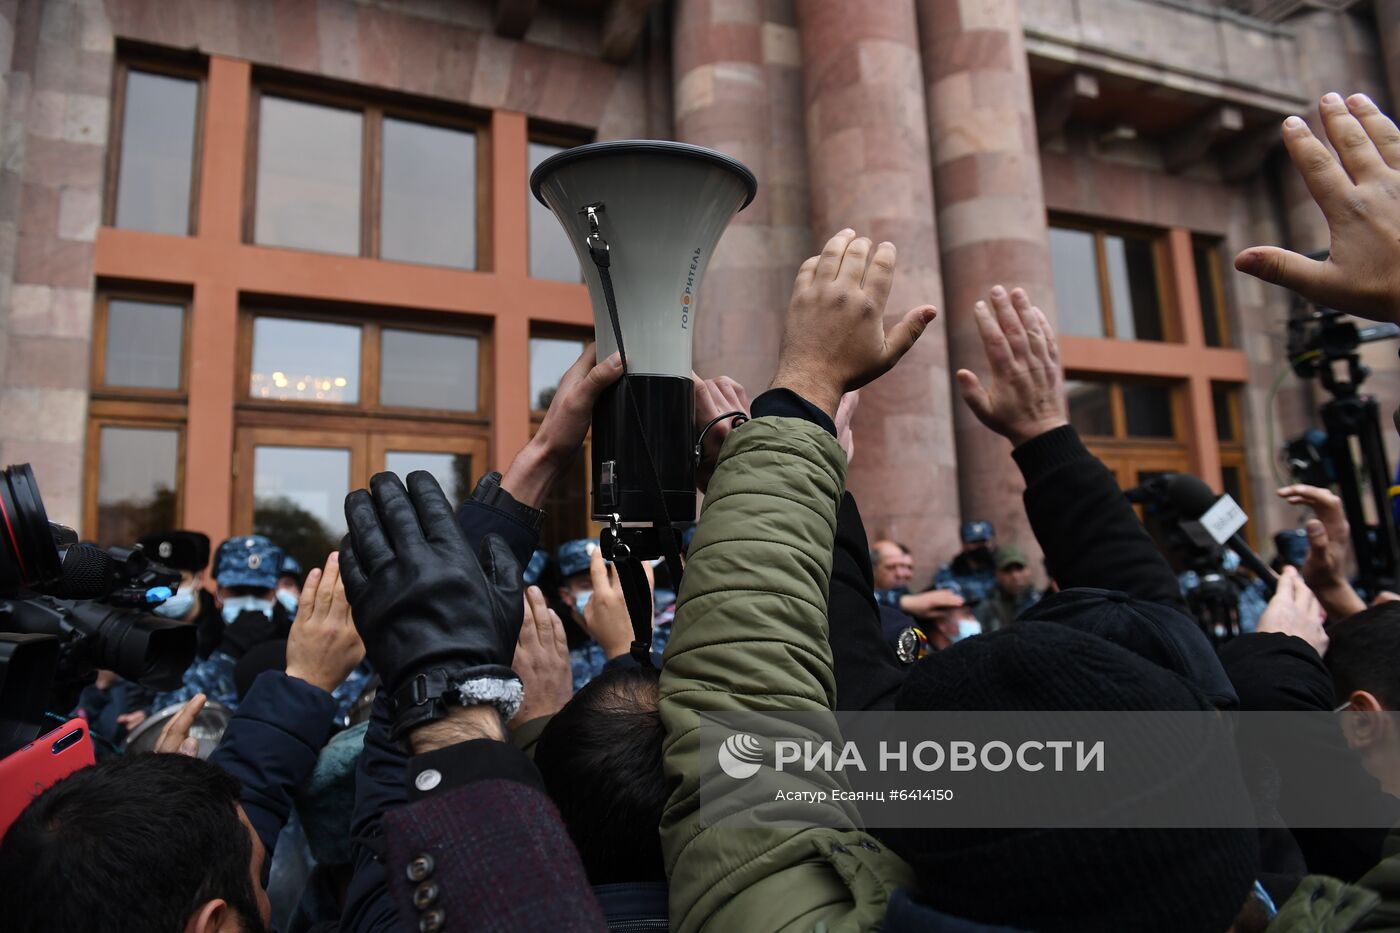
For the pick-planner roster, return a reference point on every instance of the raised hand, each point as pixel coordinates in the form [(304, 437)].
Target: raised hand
[(440, 623), (1294, 610), (323, 647), (845, 414), (175, 738), (548, 454), (1358, 191), (834, 337), (715, 397), (605, 617), (1024, 396), (542, 661), (1329, 544)]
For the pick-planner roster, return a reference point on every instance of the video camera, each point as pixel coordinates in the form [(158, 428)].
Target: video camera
[(1325, 344), (68, 608)]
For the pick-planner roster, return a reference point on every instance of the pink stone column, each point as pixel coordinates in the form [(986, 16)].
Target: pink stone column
[(867, 144), (738, 89), (991, 215)]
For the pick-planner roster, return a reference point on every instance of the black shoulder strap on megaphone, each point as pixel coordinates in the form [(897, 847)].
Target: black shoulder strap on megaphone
[(636, 590)]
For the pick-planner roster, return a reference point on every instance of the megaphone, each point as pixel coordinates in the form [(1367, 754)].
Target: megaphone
[(643, 217), (656, 209)]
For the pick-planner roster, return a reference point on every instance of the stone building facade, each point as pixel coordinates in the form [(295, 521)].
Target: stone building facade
[(252, 251)]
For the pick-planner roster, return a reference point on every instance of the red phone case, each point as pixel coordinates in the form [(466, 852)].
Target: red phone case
[(27, 773)]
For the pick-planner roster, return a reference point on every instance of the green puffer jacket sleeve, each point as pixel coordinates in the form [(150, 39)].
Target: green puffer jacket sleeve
[(750, 635)]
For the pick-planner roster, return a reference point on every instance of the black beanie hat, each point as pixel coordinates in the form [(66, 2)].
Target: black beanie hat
[(1080, 880), (1158, 633)]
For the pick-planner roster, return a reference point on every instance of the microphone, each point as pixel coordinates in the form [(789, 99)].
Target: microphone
[(1217, 519), (88, 572)]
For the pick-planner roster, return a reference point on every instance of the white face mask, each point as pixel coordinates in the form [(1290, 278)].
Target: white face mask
[(967, 628), (177, 605), (235, 606), (288, 599)]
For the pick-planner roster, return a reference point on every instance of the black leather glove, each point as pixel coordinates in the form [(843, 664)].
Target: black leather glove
[(439, 625)]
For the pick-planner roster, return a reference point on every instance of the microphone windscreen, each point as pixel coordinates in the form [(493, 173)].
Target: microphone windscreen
[(87, 572), (1189, 495)]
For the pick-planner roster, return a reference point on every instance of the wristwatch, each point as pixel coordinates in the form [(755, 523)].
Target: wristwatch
[(488, 491)]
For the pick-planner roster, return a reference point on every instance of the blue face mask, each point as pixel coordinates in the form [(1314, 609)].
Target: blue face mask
[(176, 606), (235, 606), (581, 600), (288, 599)]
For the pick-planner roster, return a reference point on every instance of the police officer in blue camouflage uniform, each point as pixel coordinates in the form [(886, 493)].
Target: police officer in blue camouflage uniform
[(246, 570), (973, 572), (290, 580), (575, 590)]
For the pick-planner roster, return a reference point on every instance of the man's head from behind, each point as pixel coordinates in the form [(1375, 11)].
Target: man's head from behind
[(1098, 879), (1363, 656), (892, 565), (146, 842), (601, 761)]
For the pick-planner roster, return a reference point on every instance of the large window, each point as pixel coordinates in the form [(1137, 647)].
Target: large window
[(137, 416), (335, 175), (1121, 410), (1107, 283), (332, 399), (551, 254), (1211, 291), (152, 166)]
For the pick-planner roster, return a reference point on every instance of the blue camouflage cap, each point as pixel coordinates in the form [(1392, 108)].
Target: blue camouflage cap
[(1292, 546), (574, 556), (535, 567), (248, 561), (977, 531), (290, 567)]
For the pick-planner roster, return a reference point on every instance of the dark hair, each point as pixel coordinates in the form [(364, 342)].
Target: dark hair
[(134, 843), (601, 761), (1364, 654)]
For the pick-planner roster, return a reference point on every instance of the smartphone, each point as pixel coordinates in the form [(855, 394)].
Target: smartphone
[(36, 767)]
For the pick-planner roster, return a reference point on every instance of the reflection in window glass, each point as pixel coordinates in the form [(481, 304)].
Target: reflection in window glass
[(157, 153), (1147, 410), (1224, 423), (452, 471), (308, 361), (428, 209), (308, 185), (136, 483), (421, 370), (551, 256), (1206, 258), (144, 344), (1132, 286), (1075, 266), (550, 358), (1090, 410), (299, 499)]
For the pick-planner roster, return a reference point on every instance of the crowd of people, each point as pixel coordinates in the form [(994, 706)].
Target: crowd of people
[(519, 768)]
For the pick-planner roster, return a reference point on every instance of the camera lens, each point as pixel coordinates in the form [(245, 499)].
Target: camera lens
[(137, 645), (28, 556)]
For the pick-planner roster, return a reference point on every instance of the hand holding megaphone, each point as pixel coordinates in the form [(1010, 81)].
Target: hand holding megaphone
[(834, 337)]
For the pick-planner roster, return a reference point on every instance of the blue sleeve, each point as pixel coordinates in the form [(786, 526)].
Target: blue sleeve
[(379, 788), (271, 746), (479, 519)]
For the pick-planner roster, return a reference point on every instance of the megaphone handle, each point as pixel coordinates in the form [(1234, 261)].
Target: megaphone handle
[(661, 517)]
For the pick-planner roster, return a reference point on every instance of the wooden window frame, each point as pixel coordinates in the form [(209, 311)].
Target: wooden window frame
[(552, 332), (171, 66), (150, 419), (550, 134), (1176, 394), (371, 329), (101, 317), (1167, 306), (373, 107)]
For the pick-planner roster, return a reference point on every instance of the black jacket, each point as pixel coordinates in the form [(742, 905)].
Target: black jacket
[(867, 673)]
